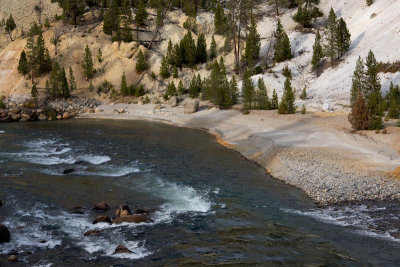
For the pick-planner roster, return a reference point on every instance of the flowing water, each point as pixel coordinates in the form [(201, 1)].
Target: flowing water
[(210, 205)]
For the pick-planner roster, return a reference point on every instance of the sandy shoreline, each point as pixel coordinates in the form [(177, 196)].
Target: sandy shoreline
[(314, 153)]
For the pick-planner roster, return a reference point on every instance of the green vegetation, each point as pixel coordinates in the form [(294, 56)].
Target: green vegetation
[(287, 106), (87, 64), (10, 26), (282, 47), (141, 64)]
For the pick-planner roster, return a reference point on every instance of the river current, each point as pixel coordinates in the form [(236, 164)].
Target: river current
[(209, 205)]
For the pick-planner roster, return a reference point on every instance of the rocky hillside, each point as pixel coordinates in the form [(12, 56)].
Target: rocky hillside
[(375, 28)]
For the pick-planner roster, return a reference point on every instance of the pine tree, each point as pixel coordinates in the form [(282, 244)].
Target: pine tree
[(71, 80), (303, 95), (330, 47), (318, 53), (282, 47), (369, 2), (170, 53), (213, 48), (10, 26), (99, 56), (194, 88), (23, 65), (181, 88), (393, 102), (201, 49), (111, 20), (248, 90), (274, 100), (124, 86), (141, 14), (262, 95), (64, 88), (217, 88), (141, 64), (358, 81), (253, 44), (171, 90), (189, 48), (219, 20), (164, 68), (287, 105), (175, 75), (178, 55), (359, 115), (126, 20), (343, 38), (34, 92), (87, 64)]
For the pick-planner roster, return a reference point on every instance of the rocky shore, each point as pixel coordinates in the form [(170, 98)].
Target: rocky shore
[(45, 109), (316, 154)]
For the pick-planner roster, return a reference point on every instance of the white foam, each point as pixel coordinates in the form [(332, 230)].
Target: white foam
[(93, 159), (111, 171), (1, 131)]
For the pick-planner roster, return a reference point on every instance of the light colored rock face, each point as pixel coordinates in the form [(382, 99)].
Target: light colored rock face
[(42, 117), (191, 106), (173, 101)]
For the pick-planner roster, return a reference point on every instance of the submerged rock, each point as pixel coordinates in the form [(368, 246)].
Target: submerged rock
[(4, 234), (68, 171), (122, 249), (77, 210), (102, 218), (136, 218), (101, 206), (92, 232), (123, 211), (1, 203), (13, 258)]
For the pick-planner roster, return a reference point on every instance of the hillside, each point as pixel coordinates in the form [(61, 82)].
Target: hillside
[(375, 28)]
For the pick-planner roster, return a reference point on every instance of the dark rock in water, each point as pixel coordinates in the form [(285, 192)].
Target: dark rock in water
[(1, 203), (77, 210), (102, 206), (13, 258), (91, 232), (102, 218), (68, 171), (42, 241), (4, 234), (122, 249), (123, 211), (141, 211), (137, 218), (79, 162)]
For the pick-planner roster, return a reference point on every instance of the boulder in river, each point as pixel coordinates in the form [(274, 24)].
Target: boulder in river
[(101, 206), (4, 234), (136, 218), (1, 203), (77, 210), (92, 232), (68, 171), (42, 117), (122, 249), (102, 218), (13, 258), (123, 211)]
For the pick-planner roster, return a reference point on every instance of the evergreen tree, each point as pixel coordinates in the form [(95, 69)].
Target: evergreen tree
[(201, 49), (87, 64), (181, 88), (178, 55), (141, 64), (359, 115), (393, 102), (343, 38), (248, 90), (219, 19), (303, 95), (175, 75), (111, 20), (64, 88), (34, 92), (171, 90), (71, 80), (233, 88), (253, 44), (124, 85), (330, 47), (189, 48), (262, 95), (369, 2), (287, 105), (10, 26), (213, 48), (318, 53), (23, 65), (282, 47), (194, 87), (141, 13), (99, 56), (274, 100), (170, 53), (126, 20), (217, 88), (164, 68), (358, 81)]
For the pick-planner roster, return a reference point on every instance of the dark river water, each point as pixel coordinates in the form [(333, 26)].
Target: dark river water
[(212, 207)]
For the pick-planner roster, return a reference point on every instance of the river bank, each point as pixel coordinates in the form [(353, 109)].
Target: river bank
[(313, 152)]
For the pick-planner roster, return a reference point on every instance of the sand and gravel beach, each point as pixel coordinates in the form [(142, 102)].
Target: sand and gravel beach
[(315, 152)]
